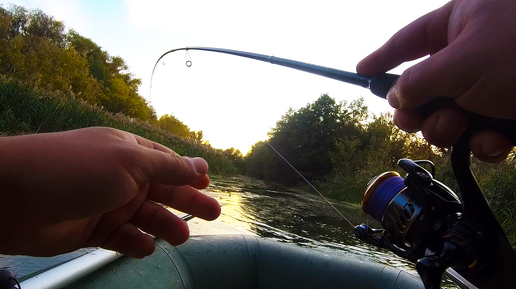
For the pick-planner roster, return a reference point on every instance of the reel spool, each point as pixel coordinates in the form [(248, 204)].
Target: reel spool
[(388, 200), (425, 222)]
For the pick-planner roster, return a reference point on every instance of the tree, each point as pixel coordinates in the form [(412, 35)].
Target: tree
[(306, 138), (120, 88), (335, 145), (173, 125), (258, 161), (43, 26), (235, 156), (92, 53), (31, 51), (35, 50)]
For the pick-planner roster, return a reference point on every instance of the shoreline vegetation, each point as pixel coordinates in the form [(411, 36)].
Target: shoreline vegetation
[(54, 81), (24, 111)]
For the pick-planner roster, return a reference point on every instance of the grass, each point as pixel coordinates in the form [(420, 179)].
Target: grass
[(23, 110)]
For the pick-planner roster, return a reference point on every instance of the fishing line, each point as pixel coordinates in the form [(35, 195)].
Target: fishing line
[(188, 63), (313, 187)]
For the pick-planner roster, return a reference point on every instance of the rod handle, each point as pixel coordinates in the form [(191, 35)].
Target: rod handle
[(382, 83)]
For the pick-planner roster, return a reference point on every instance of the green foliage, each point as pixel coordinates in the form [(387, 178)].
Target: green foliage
[(22, 110), (18, 21), (335, 145), (173, 125), (375, 149), (259, 160), (340, 150), (34, 49), (306, 138), (237, 158)]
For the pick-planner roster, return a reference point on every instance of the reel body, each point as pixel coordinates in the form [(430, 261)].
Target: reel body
[(425, 222), (411, 210)]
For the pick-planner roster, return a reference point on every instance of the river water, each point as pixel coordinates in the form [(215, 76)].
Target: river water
[(275, 212), (254, 207)]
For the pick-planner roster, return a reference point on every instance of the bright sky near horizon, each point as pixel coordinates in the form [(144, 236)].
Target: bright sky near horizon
[(236, 101)]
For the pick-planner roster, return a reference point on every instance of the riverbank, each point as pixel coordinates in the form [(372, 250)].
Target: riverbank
[(25, 111)]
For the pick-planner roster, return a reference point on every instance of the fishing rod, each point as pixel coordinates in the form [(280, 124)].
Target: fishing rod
[(379, 85), (423, 220)]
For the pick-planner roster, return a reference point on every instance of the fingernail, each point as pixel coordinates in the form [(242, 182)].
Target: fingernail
[(392, 97), (201, 166)]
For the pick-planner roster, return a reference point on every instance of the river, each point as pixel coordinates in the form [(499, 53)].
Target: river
[(254, 207)]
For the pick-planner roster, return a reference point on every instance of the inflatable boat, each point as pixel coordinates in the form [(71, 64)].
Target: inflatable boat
[(223, 261)]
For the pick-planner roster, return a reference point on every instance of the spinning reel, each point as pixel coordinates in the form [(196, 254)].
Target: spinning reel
[(425, 222)]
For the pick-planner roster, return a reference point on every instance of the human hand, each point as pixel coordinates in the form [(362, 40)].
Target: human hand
[(473, 60), (96, 187)]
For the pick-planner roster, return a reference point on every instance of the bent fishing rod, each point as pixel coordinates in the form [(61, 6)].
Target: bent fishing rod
[(423, 220), (379, 85)]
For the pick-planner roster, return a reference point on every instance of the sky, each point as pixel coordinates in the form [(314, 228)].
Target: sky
[(236, 101)]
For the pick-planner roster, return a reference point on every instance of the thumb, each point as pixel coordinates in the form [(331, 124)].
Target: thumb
[(171, 169)]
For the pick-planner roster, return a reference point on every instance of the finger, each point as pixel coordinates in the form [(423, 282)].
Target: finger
[(155, 162), (444, 127), (157, 166), (130, 241), (449, 72), (110, 222), (158, 221), (490, 146), (154, 145), (424, 36), (201, 183), (186, 199), (408, 120)]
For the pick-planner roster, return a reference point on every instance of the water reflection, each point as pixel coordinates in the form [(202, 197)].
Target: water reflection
[(278, 213), (290, 216)]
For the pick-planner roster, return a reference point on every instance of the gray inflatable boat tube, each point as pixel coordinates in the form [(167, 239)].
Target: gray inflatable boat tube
[(242, 261)]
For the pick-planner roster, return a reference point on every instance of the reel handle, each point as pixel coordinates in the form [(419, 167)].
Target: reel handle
[(382, 83), (432, 268)]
